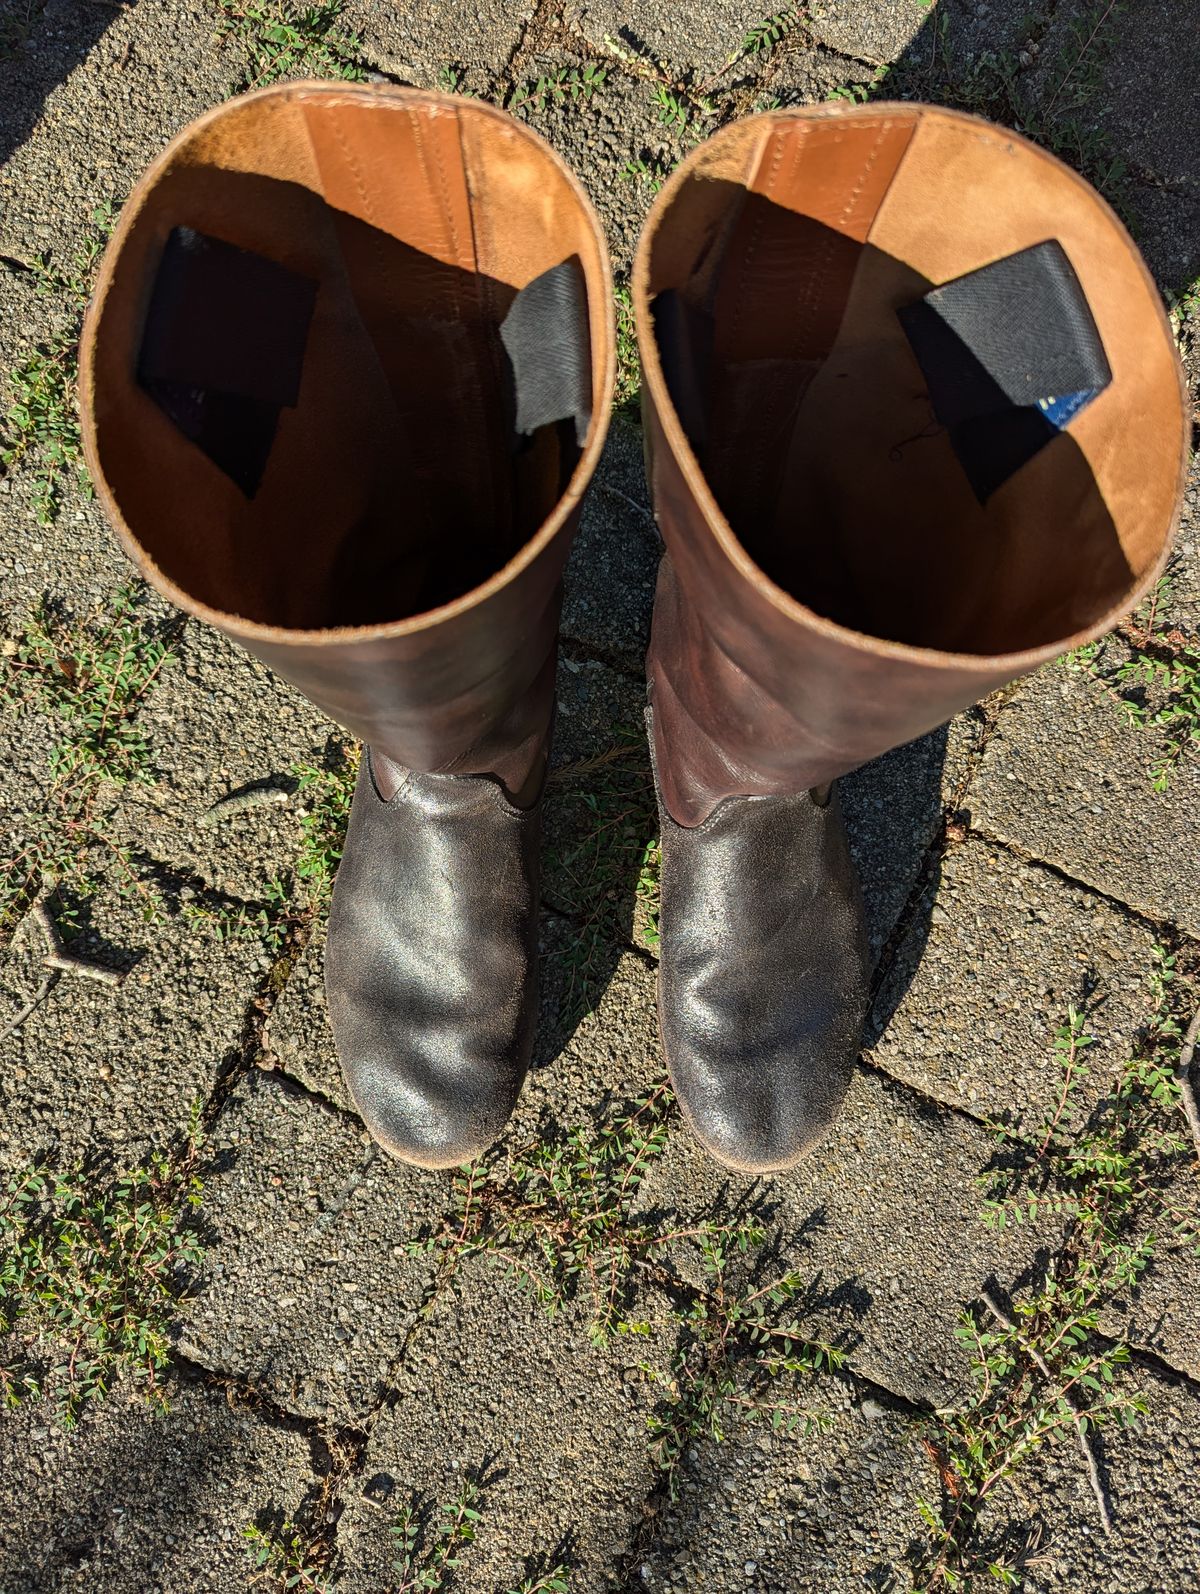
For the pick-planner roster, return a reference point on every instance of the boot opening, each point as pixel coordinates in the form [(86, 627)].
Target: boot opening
[(342, 371), (889, 459)]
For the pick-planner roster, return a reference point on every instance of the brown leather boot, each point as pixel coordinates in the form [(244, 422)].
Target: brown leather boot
[(346, 375), (914, 422)]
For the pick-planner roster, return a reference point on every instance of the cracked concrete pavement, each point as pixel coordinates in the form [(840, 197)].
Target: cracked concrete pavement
[(1016, 862)]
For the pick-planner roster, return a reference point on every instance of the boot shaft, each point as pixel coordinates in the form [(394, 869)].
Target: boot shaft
[(322, 385), (857, 545)]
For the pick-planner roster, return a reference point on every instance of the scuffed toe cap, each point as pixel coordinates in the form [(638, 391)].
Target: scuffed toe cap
[(425, 1120), (757, 1119)]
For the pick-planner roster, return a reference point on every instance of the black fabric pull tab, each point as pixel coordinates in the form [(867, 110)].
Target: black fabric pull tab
[(223, 348), (549, 346), (1011, 353)]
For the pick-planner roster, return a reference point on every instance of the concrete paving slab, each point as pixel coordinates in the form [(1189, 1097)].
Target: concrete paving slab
[(307, 1290), (795, 1514), (877, 32), (695, 37), (556, 1427), (131, 1500), (609, 585), (89, 100), (459, 44), (221, 723), (885, 1216), (96, 1066), (1066, 778), (1010, 946)]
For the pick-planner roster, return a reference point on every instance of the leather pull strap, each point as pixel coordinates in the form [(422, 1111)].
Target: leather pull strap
[(1011, 353), (546, 337), (223, 348)]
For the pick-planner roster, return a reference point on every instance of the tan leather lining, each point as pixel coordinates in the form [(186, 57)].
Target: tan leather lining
[(390, 490), (822, 449)]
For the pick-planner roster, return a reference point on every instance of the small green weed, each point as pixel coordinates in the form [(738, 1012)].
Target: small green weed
[(671, 106), (1118, 1182), (765, 36), (241, 921), (92, 1274), (450, 79), (283, 40), (652, 170), (646, 910), (677, 100), (39, 431), (90, 678), (627, 397), (556, 1581), (1185, 317), (326, 792), (735, 1346), (41, 426), (556, 1213), (16, 24), (1156, 686), (851, 93), (287, 1558), (429, 1545), (427, 1560), (566, 85), (1163, 695)]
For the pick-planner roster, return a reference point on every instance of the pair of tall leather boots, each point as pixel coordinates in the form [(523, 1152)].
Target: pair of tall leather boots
[(914, 426)]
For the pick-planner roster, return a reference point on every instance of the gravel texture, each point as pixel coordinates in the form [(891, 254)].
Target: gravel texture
[(1013, 862), (308, 1290), (132, 1500), (1010, 946), (1066, 779), (557, 1446)]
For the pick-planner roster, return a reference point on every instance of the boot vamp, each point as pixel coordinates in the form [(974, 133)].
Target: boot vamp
[(431, 962), (763, 974)]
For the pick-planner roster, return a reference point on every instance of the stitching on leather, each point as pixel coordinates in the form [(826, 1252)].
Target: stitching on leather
[(479, 222), (752, 243), (340, 138), (817, 262), (885, 127), (371, 215)]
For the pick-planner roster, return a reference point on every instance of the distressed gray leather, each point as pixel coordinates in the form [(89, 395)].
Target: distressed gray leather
[(762, 974), (431, 964)]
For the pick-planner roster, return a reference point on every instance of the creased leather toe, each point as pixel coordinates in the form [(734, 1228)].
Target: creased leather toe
[(431, 963), (763, 975)]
